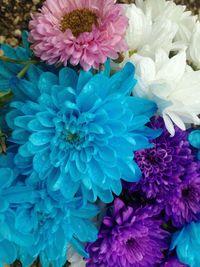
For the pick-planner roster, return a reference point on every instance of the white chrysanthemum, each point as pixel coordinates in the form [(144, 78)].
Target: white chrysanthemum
[(144, 36), (156, 28), (75, 259), (194, 48), (176, 14), (173, 85)]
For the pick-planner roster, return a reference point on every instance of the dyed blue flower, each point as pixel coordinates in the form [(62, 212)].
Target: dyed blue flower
[(54, 223), (194, 139), (11, 194), (78, 133), (24, 55), (8, 251), (8, 69), (35, 223), (187, 244)]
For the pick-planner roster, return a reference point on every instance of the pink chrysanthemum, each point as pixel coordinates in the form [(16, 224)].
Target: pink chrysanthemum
[(81, 32)]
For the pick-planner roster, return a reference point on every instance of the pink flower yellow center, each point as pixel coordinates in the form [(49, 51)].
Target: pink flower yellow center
[(78, 21)]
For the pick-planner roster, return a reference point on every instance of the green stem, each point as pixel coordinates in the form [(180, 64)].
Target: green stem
[(23, 71), (5, 98), (11, 60)]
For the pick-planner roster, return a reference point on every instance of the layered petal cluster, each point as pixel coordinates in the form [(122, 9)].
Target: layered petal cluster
[(130, 236), (58, 33), (187, 244), (182, 205), (163, 165), (160, 24), (35, 223), (146, 35), (178, 15), (163, 38), (54, 223), (166, 81), (8, 69), (78, 133), (12, 194), (170, 175), (8, 252)]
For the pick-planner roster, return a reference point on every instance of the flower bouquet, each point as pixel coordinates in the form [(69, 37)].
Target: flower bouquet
[(99, 138)]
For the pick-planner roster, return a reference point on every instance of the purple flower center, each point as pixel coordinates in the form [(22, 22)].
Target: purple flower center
[(130, 242), (187, 193)]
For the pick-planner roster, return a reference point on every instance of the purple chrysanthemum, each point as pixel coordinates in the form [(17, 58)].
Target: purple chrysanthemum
[(182, 205), (170, 175), (163, 165), (129, 237), (173, 262)]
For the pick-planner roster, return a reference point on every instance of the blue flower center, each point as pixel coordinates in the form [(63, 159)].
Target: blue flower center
[(42, 217), (72, 137)]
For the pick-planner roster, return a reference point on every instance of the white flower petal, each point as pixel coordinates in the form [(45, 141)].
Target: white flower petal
[(194, 48), (74, 258), (177, 120), (168, 124), (174, 69), (139, 27)]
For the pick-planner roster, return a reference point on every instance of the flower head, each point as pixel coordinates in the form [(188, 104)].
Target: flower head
[(163, 165), (82, 32), (54, 223), (35, 223), (12, 194), (170, 175), (8, 252), (130, 236), (169, 11), (159, 24), (144, 35), (166, 80), (8, 69), (182, 205), (78, 133), (187, 245)]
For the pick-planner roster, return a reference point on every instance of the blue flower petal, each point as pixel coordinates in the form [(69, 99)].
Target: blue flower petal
[(41, 138), (45, 118), (123, 81), (68, 78), (6, 177), (46, 81), (8, 252), (194, 139)]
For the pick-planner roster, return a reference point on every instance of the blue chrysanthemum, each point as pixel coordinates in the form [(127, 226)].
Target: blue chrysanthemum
[(9, 69), (11, 195), (34, 223), (22, 56), (8, 252), (187, 244), (78, 133), (54, 223)]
